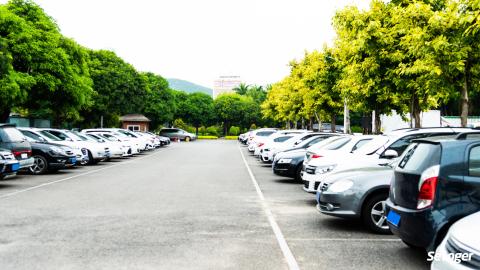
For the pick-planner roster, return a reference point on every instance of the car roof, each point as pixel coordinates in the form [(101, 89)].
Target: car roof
[(7, 125)]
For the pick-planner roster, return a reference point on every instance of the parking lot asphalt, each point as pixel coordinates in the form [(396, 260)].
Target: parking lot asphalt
[(186, 206)]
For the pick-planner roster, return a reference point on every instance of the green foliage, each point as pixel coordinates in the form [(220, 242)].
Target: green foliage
[(234, 131), (231, 138), (212, 130), (160, 101)]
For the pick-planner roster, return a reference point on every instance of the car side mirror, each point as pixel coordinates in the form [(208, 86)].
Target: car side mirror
[(390, 154)]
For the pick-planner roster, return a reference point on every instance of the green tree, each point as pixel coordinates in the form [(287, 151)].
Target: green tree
[(159, 102), (241, 89), (198, 109), (120, 88)]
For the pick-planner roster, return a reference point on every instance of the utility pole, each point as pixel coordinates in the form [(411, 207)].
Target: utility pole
[(101, 121)]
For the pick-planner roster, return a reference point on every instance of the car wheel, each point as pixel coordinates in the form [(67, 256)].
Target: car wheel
[(40, 165), (187, 139), (298, 173), (411, 245), (374, 214), (91, 161)]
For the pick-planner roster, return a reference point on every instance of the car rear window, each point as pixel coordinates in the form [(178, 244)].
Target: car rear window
[(420, 156), (282, 139), (265, 133), (11, 134)]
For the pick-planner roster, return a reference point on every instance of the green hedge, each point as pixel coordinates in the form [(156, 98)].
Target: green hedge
[(207, 137), (231, 137)]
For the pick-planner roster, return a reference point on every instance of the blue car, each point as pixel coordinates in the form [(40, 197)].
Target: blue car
[(9, 165), (435, 183)]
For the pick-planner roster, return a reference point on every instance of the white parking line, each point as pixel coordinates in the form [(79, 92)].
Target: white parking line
[(73, 177), (287, 253), (347, 239)]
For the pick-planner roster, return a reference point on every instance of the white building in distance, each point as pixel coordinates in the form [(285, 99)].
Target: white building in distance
[(225, 84)]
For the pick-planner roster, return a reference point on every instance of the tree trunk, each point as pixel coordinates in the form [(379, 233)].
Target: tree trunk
[(196, 130), (378, 123), (464, 96), (4, 114), (310, 123), (334, 123), (318, 121), (346, 118), (415, 113)]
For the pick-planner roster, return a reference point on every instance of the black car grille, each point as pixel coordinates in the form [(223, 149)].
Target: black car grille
[(310, 169), (305, 183), (453, 247), (315, 186)]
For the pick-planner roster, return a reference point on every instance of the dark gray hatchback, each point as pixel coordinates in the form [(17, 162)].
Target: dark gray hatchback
[(435, 184), (12, 139)]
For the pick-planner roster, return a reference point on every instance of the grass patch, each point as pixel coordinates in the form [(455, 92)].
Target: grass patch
[(231, 137), (207, 137)]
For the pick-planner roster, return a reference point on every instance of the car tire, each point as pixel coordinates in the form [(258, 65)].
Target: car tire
[(298, 173), (412, 246), (91, 160), (374, 214), (40, 165), (187, 139)]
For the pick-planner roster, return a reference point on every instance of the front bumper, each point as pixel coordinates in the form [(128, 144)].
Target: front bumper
[(310, 182), (60, 162), (26, 163), (344, 205), (284, 169)]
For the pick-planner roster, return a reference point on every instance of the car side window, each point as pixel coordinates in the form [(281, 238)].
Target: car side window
[(402, 144), (59, 135), (474, 162)]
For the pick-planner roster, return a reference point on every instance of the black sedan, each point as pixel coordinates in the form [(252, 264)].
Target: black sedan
[(50, 157), (289, 163)]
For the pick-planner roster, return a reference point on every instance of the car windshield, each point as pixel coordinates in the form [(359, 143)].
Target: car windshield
[(49, 136), (324, 143), (73, 136), (85, 137), (373, 145), (127, 133), (11, 134), (338, 143)]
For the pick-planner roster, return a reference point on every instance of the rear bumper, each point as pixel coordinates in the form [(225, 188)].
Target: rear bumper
[(416, 227)]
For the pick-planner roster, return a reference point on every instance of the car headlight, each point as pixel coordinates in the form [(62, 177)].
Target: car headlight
[(285, 160), (56, 150), (340, 186), (324, 169)]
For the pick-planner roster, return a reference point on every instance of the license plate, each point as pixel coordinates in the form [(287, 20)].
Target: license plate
[(15, 167), (24, 155), (393, 218), (73, 160)]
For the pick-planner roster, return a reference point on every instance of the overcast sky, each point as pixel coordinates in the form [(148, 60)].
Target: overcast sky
[(200, 40)]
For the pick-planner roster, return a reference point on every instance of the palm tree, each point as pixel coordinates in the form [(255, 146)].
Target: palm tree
[(241, 89)]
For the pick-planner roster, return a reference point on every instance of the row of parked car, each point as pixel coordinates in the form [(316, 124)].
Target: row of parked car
[(42, 150), (417, 183)]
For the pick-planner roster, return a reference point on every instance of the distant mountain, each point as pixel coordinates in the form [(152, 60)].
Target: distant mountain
[(188, 87)]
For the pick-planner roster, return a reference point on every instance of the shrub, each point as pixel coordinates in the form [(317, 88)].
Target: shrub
[(356, 129), (202, 130), (234, 131), (212, 130), (231, 137), (253, 126)]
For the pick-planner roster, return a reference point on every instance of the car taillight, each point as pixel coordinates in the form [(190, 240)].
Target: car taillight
[(427, 187), (316, 156), (260, 144), (19, 153)]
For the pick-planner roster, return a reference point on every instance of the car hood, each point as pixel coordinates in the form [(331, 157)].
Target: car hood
[(465, 231)]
